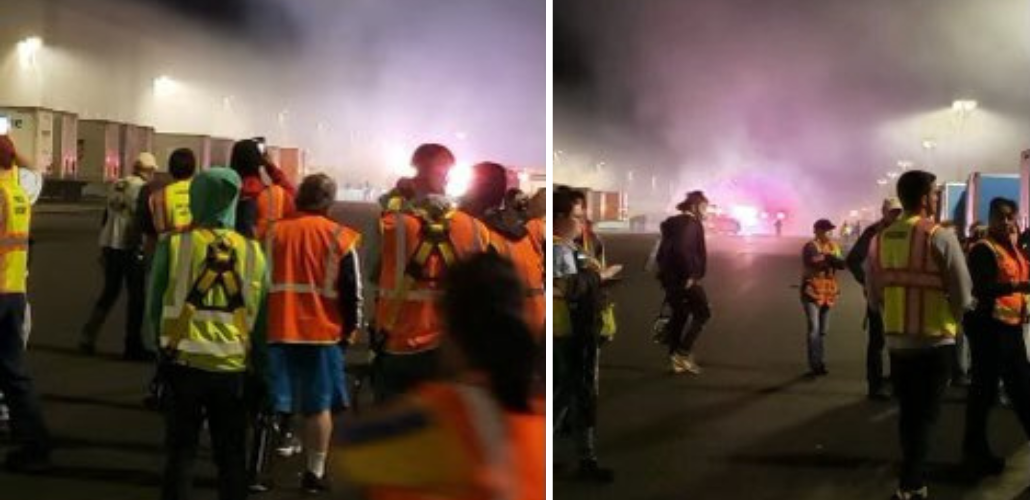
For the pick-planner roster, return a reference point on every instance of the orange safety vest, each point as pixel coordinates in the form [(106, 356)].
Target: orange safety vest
[(1012, 268), (528, 256), (416, 250), (483, 452), (820, 285), (304, 253), (273, 203), (170, 207)]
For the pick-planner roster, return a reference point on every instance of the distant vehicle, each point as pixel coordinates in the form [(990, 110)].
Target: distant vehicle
[(722, 224)]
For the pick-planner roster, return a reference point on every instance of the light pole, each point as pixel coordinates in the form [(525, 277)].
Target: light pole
[(962, 109)]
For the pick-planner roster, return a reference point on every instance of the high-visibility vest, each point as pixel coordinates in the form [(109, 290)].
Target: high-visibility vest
[(417, 247), (820, 285), (562, 321), (905, 268), (480, 452), (527, 254), (14, 235), (216, 281), (273, 204), (303, 302), (1012, 268), (170, 207)]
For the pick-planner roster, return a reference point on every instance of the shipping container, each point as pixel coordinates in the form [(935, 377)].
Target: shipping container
[(66, 146), (982, 188), (165, 144), (99, 150), (32, 131), (221, 151), (1024, 189), (953, 204), (135, 139)]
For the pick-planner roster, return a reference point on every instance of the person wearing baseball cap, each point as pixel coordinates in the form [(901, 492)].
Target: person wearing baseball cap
[(121, 247), (875, 379), (819, 289)]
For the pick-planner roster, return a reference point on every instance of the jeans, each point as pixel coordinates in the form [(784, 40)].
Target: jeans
[(818, 323), (998, 353), (920, 377), (120, 266), (874, 351), (27, 423), (575, 391), (192, 396), (690, 312)]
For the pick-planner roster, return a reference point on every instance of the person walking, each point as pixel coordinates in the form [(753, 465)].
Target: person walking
[(210, 319), (918, 280), (121, 246), (875, 380), (682, 260), (314, 308), (994, 329), (821, 259)]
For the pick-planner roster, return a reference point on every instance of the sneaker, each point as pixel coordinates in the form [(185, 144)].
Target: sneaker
[(289, 446), (920, 494), (677, 363), (311, 483), (684, 364), (28, 461), (692, 365), (589, 470), (258, 487)]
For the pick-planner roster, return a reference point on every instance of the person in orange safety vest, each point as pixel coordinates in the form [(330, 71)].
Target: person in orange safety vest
[(477, 436), (314, 311), (822, 259), (422, 234)]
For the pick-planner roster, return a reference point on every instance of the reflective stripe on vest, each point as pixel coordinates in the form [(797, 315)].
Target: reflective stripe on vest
[(271, 207), (905, 270), (170, 207), (14, 236), (1012, 269), (207, 338), (820, 285), (332, 271)]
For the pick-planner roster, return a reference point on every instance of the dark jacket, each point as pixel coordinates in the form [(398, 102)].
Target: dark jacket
[(682, 254), (859, 252)]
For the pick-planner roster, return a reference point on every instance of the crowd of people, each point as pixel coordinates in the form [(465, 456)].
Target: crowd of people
[(246, 295)]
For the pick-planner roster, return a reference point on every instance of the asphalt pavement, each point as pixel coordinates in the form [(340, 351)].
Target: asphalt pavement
[(109, 447), (752, 426)]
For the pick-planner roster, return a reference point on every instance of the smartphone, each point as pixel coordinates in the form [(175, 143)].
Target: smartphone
[(5, 125)]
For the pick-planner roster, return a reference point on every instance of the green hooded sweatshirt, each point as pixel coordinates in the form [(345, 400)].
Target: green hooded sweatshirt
[(213, 196)]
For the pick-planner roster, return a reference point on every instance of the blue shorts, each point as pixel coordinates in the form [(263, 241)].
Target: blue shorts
[(307, 378)]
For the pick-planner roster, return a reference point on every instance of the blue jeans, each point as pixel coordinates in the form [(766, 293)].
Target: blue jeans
[(818, 323)]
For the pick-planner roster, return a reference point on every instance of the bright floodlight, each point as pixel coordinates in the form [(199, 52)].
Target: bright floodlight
[(165, 86), (781, 215), (892, 175), (905, 165), (28, 49), (523, 177), (881, 181), (929, 144), (964, 105), (458, 180)]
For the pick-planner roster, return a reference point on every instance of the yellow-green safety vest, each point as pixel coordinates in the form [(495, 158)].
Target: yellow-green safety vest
[(14, 234), (170, 207), (906, 270), (216, 336)]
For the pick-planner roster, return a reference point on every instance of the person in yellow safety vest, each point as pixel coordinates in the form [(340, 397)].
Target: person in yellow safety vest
[(576, 294), (422, 234), (122, 260), (210, 318), (1001, 282), (479, 434), (917, 278), (821, 259), (32, 436), (168, 208)]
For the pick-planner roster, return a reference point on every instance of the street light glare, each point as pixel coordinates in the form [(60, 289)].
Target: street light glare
[(165, 86), (28, 49), (964, 105)]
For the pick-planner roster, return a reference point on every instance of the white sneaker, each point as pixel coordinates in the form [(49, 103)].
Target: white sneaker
[(676, 362), (681, 364), (289, 446)]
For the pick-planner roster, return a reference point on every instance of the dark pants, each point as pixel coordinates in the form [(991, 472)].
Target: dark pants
[(395, 374), (690, 312), (575, 390), (874, 351), (120, 266), (27, 423), (998, 354), (194, 395), (920, 377), (818, 320)]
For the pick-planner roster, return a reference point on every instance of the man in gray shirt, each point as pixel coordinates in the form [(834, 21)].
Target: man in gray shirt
[(918, 280)]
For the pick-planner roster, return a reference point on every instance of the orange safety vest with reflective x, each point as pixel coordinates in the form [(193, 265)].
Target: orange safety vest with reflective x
[(1012, 268), (170, 207), (273, 204), (14, 234), (303, 302), (820, 285), (528, 256), (906, 270), (478, 451), (212, 299), (419, 242)]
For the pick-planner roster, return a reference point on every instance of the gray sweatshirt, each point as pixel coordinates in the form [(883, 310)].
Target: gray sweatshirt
[(957, 281)]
